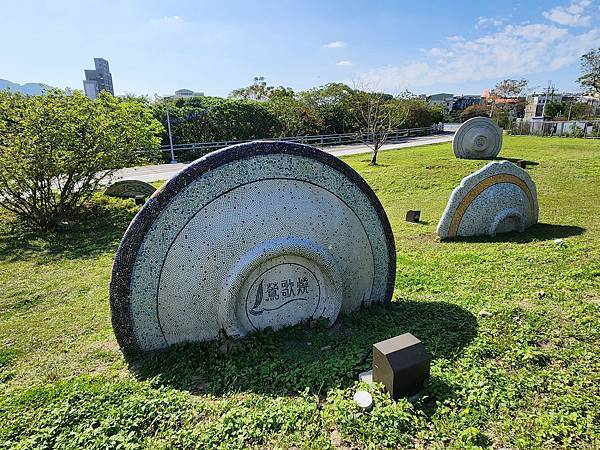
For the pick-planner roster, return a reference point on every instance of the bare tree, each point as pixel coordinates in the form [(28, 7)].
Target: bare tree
[(507, 89), (514, 91), (377, 115), (510, 88)]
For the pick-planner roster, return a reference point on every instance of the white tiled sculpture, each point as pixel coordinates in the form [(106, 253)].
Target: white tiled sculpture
[(477, 138), (498, 198), (265, 234)]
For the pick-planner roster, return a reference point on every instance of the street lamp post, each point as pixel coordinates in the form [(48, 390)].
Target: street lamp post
[(173, 160)]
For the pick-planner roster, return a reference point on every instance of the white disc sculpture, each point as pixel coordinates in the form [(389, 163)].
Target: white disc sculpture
[(477, 138), (498, 198), (130, 189), (265, 234)]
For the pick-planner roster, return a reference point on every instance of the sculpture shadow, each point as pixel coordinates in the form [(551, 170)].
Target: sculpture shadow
[(537, 232), (516, 160), (98, 229), (303, 358)]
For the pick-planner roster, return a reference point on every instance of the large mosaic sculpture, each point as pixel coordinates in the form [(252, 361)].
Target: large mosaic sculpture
[(265, 234), (477, 138), (498, 198), (130, 189)]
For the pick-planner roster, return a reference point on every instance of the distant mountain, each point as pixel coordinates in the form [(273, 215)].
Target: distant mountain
[(27, 88)]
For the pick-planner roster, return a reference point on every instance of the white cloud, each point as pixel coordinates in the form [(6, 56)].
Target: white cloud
[(345, 63), (167, 21), (484, 22), (336, 44), (515, 50), (571, 15)]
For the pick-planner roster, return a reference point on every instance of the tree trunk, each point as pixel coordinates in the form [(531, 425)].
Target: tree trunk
[(374, 158)]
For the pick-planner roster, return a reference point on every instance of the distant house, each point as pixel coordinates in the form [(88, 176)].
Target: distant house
[(592, 100), (512, 105), (534, 109), (462, 102), (185, 93), (444, 100), (487, 98)]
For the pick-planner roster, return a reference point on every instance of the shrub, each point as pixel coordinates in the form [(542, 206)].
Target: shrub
[(575, 131), (330, 109), (207, 119), (56, 149)]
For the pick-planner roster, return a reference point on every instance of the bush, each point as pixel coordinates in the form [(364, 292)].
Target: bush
[(329, 109), (575, 131), (208, 119), (56, 149)]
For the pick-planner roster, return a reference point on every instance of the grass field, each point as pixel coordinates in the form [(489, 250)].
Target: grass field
[(511, 323)]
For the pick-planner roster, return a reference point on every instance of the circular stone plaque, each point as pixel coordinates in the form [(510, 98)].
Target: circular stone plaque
[(477, 138), (253, 236)]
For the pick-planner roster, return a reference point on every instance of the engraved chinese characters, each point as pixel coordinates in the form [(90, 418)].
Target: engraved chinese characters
[(273, 290), (253, 236)]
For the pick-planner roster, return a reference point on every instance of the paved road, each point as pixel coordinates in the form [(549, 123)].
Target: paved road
[(166, 171)]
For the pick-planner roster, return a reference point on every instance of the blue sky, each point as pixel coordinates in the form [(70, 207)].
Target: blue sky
[(216, 46)]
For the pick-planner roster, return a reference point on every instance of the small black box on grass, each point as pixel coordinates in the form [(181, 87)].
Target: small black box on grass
[(522, 163), (401, 364), (413, 216)]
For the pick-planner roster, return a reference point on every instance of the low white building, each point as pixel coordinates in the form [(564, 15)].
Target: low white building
[(185, 93)]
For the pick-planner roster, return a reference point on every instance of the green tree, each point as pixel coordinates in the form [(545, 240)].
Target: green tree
[(590, 66), (568, 110), (417, 113), (329, 109), (294, 116), (205, 119), (474, 111), (258, 90), (56, 149), (332, 103)]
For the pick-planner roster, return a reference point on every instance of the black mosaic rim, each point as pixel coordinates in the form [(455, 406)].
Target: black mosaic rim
[(125, 258)]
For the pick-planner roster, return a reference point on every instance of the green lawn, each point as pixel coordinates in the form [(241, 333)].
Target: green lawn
[(526, 375)]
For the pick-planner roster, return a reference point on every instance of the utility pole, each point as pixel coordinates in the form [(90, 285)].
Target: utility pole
[(546, 99)]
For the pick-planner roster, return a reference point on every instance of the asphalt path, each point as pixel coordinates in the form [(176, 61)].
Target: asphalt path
[(165, 171)]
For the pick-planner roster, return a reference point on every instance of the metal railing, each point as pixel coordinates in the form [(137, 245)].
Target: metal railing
[(196, 149)]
